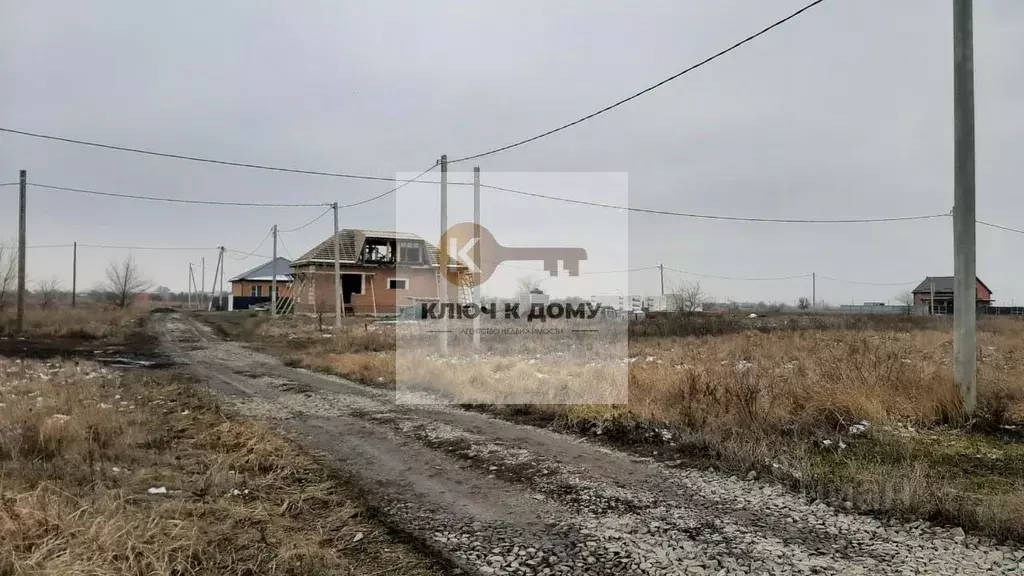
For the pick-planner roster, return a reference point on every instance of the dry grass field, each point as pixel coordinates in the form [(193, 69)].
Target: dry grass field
[(107, 472), (865, 418)]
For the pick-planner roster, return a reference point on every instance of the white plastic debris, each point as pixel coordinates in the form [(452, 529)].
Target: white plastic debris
[(860, 427), (752, 316), (104, 405), (358, 537), (185, 413), (115, 470), (158, 490), (826, 442), (60, 418)]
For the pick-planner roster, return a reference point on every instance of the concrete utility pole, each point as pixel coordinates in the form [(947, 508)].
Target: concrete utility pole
[(273, 277), (23, 180), (202, 280), (661, 269), (220, 297), (74, 273), (931, 298), (965, 350), (476, 254), (191, 284), (339, 311), (442, 335), (814, 290)]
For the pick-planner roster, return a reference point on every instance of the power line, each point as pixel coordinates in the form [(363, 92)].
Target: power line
[(642, 92), (170, 248), (9, 183), (177, 200), (194, 158), (397, 188), (247, 254), (736, 278), (113, 247), (868, 283), (717, 217), (1000, 227), (465, 158), (322, 214), (256, 249), (583, 273)]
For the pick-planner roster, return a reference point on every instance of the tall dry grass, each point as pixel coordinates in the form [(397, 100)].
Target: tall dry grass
[(86, 322), (80, 449)]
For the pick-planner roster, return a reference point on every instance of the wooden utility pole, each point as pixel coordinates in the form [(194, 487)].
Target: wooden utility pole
[(814, 290), (339, 310), (476, 254), (23, 180), (442, 334), (74, 273), (661, 270), (965, 349), (273, 277)]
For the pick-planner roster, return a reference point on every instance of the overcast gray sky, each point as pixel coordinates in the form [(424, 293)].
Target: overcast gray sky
[(844, 112)]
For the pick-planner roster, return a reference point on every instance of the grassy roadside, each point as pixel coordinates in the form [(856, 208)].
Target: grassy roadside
[(866, 419), (107, 472)]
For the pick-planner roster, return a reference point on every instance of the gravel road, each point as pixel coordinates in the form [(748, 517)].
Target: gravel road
[(499, 498)]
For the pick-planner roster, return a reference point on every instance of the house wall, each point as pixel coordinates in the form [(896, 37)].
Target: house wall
[(981, 294), (244, 288), (422, 283)]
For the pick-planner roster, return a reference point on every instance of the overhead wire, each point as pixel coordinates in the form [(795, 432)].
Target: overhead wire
[(194, 158), (178, 200), (393, 190), (999, 226), (738, 278), (248, 254), (653, 87), (867, 283), (307, 224), (719, 217)]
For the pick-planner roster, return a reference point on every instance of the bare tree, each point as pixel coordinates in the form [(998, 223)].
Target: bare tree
[(49, 293), (525, 285), (906, 298), (320, 309), (687, 297), (125, 281), (803, 303), (8, 274)]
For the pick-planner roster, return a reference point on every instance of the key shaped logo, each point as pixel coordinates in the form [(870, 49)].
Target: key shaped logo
[(482, 255)]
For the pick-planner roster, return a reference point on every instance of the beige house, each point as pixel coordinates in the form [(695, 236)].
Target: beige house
[(381, 271)]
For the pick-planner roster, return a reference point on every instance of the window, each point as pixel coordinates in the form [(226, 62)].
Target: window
[(256, 291), (409, 252), (397, 284)]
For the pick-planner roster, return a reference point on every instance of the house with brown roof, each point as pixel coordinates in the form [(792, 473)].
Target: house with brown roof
[(381, 271), (942, 288)]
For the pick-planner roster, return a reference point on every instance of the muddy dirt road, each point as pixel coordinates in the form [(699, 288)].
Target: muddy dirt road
[(500, 498)]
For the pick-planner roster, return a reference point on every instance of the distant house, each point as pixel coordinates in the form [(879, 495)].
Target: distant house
[(381, 271), (256, 283), (942, 286)]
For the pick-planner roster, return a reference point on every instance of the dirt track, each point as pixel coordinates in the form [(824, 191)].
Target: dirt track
[(500, 498)]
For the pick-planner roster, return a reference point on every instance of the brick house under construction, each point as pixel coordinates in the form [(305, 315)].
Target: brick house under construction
[(381, 271)]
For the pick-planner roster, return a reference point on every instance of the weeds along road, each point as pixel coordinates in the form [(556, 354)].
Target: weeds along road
[(500, 498)]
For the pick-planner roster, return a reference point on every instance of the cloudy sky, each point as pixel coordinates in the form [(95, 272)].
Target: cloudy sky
[(844, 112)]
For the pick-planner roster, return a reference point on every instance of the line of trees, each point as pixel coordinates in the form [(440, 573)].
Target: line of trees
[(124, 282)]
